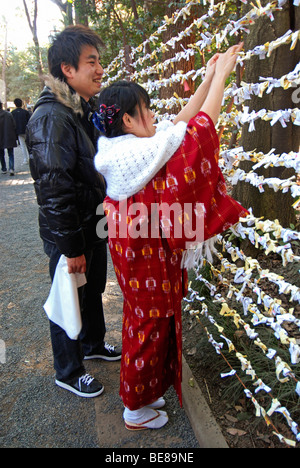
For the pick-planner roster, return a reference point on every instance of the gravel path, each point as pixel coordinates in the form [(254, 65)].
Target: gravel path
[(34, 413)]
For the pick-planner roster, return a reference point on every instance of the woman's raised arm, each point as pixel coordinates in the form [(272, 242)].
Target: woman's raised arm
[(224, 66), (194, 105)]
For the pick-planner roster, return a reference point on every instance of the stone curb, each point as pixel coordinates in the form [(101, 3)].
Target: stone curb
[(203, 423)]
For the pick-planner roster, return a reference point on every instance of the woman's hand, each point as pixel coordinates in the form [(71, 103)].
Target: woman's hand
[(226, 62), (211, 67), (223, 67), (209, 95)]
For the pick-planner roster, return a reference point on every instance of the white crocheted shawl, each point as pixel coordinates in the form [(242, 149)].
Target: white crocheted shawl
[(128, 162)]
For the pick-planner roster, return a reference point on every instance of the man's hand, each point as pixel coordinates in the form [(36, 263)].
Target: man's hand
[(76, 264)]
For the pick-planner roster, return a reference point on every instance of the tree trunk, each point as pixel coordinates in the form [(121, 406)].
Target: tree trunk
[(81, 12), (67, 10), (139, 25), (269, 204), (127, 48), (33, 28), (182, 90)]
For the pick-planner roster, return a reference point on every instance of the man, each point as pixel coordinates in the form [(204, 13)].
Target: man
[(8, 138), (62, 144), (21, 117)]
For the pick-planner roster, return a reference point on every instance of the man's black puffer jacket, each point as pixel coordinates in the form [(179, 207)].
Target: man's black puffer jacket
[(62, 144)]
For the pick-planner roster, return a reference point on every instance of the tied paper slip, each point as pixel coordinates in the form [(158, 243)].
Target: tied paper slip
[(62, 306)]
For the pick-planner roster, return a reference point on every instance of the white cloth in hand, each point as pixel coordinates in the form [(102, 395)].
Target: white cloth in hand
[(62, 306)]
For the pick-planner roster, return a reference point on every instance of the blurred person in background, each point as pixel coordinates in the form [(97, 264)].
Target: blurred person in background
[(21, 117), (8, 140)]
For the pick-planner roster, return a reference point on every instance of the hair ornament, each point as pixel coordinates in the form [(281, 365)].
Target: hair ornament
[(105, 117)]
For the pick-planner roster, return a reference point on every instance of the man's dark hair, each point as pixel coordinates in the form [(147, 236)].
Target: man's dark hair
[(1, 105), (18, 102), (66, 48)]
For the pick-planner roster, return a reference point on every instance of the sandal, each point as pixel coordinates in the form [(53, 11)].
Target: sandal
[(159, 420)]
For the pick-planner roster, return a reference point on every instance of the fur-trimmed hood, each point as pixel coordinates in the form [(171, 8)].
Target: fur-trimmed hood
[(57, 90)]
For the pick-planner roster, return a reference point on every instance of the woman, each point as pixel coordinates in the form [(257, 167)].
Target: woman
[(154, 175)]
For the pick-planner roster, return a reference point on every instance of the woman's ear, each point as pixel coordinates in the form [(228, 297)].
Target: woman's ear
[(127, 122)]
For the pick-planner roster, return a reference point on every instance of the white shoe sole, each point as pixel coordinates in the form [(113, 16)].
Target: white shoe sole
[(78, 392)]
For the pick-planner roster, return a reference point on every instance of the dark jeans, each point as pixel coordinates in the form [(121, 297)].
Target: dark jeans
[(68, 354), (11, 159)]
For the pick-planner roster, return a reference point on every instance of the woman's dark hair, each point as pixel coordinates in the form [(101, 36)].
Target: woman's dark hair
[(66, 48), (128, 97)]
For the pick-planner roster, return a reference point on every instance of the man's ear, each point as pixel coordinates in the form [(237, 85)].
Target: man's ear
[(67, 69)]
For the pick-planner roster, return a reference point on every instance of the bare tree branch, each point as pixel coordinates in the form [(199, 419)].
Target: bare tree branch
[(66, 8), (62, 6), (33, 29)]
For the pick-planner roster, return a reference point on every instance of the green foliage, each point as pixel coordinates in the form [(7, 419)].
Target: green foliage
[(117, 25), (21, 74), (107, 22)]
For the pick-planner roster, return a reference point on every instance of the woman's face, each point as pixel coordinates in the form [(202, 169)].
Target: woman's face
[(143, 122)]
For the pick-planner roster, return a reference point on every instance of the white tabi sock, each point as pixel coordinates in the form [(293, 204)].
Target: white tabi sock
[(145, 414)]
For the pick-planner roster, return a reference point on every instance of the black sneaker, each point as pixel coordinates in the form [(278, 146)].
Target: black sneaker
[(84, 386), (108, 353)]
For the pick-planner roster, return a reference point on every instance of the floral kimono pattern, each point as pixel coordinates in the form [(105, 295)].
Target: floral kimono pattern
[(147, 249)]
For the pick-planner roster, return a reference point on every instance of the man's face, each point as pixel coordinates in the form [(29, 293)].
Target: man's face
[(86, 80)]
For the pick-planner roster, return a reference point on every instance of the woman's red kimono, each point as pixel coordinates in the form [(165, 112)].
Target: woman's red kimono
[(147, 254)]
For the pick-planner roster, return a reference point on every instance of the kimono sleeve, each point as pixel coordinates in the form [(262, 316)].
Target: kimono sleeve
[(195, 187)]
